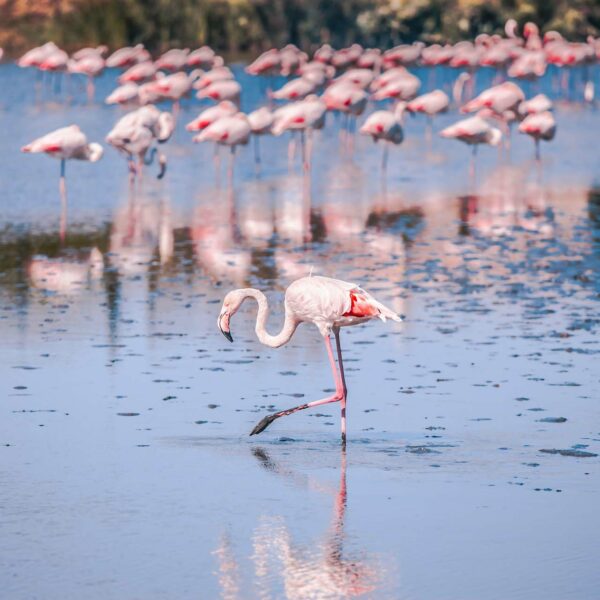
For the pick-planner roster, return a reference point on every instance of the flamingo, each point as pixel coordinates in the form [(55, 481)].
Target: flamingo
[(499, 98), (401, 87), (35, 56), (136, 132), (295, 89), (228, 89), (124, 94), (210, 115), (537, 104), (386, 126), (268, 63), (540, 126), (173, 60), (261, 122), (327, 303), (346, 98), (324, 54), (227, 131), (306, 115), (430, 104), (123, 58), (221, 73), (139, 73), (65, 143), (90, 64), (174, 87), (202, 58), (473, 131)]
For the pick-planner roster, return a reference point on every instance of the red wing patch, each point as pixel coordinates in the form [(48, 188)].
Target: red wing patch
[(360, 306), (52, 148)]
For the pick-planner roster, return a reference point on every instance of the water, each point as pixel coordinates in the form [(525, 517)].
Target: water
[(126, 470)]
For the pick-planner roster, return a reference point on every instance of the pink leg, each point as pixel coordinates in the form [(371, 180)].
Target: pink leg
[(339, 394), (63, 202)]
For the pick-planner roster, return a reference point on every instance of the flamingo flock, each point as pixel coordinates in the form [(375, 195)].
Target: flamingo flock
[(370, 91)]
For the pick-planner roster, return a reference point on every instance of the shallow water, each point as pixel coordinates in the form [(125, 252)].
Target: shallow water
[(126, 470)]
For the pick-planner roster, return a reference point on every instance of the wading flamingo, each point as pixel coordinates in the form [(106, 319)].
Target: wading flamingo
[(540, 126), (327, 303), (65, 143)]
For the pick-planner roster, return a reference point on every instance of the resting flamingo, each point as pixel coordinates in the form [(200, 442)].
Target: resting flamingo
[(327, 303), (385, 125), (540, 126), (65, 143)]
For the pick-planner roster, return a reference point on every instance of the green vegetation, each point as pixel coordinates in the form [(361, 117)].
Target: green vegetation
[(249, 26)]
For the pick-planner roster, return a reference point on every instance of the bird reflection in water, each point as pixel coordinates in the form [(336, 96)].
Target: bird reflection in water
[(507, 201), (64, 275), (320, 570)]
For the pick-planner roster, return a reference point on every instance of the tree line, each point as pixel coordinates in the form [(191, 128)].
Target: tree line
[(246, 27)]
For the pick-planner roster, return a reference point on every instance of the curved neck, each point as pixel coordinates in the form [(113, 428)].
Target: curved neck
[(289, 325)]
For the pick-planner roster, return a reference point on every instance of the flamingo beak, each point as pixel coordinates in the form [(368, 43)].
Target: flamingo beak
[(224, 325)]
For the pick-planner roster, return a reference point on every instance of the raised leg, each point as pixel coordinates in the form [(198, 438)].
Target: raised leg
[(339, 387)]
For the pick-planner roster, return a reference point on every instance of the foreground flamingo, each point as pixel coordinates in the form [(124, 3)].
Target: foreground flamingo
[(328, 303)]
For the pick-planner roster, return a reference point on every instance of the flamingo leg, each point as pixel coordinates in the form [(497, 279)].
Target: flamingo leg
[(337, 397), (90, 89), (384, 159), (62, 186), (230, 167), (342, 382)]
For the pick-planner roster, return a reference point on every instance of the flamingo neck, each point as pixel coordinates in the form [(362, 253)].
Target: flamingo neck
[(289, 325)]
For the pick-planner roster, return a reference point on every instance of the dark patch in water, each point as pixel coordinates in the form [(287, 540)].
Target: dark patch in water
[(128, 414), (569, 452), (552, 420)]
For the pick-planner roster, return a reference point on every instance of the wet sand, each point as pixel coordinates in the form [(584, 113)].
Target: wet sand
[(472, 464)]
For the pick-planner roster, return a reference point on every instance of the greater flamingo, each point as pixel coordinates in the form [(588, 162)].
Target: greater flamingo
[(229, 131), (540, 126), (385, 125), (65, 143), (473, 131), (136, 132), (327, 303)]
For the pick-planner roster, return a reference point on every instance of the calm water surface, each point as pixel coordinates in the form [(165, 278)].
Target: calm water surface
[(126, 470)]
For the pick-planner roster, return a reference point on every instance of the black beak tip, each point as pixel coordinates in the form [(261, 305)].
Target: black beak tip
[(227, 334)]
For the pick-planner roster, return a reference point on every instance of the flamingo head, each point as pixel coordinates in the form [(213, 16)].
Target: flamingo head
[(231, 305)]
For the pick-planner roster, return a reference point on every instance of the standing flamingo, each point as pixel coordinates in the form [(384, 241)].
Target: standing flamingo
[(540, 126), (65, 143), (385, 125), (229, 131), (327, 303), (473, 131)]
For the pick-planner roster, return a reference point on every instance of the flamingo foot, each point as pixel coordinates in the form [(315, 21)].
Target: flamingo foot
[(266, 421), (263, 424)]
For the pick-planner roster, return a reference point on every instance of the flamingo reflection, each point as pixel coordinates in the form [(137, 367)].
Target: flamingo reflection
[(319, 570)]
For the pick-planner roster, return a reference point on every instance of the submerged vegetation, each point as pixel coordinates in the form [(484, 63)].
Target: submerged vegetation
[(240, 26)]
